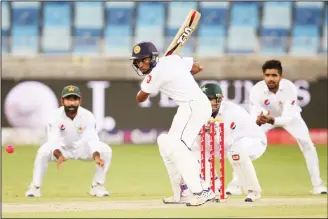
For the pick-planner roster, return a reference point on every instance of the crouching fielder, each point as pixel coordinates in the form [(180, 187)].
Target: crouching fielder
[(72, 135), (244, 141), (273, 103)]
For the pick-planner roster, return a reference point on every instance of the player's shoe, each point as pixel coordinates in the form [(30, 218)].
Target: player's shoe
[(252, 196), (202, 198), (33, 191), (234, 189), (319, 190), (99, 191), (185, 196)]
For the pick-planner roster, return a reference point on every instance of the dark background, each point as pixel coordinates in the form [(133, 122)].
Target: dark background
[(120, 103)]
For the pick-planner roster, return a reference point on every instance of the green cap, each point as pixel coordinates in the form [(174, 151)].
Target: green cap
[(71, 90), (212, 90)]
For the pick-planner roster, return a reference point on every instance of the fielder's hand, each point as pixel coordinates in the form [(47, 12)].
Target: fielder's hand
[(268, 118), (261, 119), (99, 161), (208, 128), (60, 158), (60, 161)]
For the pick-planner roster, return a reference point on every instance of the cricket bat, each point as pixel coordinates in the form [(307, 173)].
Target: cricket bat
[(184, 33)]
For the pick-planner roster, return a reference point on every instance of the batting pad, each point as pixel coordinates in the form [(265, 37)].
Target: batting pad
[(244, 168), (183, 160), (174, 174)]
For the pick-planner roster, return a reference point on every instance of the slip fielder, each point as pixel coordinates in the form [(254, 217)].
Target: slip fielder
[(72, 135), (273, 103)]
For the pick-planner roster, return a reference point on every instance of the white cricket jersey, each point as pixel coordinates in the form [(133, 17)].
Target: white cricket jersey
[(172, 77), (238, 123), (282, 104), (71, 134)]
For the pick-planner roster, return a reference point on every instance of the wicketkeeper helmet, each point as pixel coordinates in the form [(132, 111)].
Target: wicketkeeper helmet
[(212, 91)]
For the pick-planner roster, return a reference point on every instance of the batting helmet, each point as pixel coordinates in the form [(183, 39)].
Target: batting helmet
[(141, 51)]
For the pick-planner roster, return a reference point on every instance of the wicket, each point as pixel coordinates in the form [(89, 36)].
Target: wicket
[(212, 134)]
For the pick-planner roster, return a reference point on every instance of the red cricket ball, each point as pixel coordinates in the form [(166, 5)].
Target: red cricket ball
[(10, 149)]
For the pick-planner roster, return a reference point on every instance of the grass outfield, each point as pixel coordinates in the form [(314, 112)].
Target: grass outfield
[(138, 180)]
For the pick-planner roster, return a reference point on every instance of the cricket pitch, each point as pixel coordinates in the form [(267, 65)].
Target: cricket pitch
[(150, 204)]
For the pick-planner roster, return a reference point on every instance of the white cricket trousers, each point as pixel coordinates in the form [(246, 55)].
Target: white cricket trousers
[(298, 129), (175, 147), (45, 154)]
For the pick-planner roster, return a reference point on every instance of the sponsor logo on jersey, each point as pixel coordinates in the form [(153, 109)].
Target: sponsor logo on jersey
[(233, 125), (293, 102), (266, 102), (62, 127)]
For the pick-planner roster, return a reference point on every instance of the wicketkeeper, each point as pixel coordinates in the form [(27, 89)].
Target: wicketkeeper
[(244, 141)]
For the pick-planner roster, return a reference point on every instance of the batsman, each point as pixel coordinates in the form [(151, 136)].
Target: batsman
[(244, 141), (173, 75)]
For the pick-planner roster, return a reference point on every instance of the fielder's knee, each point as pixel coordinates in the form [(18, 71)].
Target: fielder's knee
[(259, 149), (106, 150), (305, 144), (46, 150)]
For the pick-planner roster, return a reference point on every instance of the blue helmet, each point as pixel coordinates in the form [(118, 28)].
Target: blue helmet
[(141, 51)]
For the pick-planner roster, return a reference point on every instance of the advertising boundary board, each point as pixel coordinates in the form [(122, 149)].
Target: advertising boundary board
[(29, 103)]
